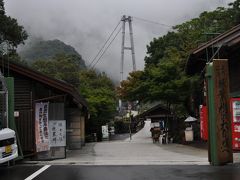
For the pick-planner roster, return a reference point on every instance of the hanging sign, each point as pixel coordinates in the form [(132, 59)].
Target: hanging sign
[(41, 127)]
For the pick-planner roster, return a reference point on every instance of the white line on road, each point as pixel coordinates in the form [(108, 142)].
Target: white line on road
[(38, 172)]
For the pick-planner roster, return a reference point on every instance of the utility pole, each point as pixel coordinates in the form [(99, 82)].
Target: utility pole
[(123, 48)]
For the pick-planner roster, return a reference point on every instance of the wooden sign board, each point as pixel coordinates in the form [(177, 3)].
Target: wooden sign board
[(222, 110)]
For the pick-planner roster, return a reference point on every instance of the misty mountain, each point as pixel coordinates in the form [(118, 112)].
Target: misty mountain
[(46, 50)]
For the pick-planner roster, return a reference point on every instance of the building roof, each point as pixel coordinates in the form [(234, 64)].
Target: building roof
[(54, 83), (156, 111), (227, 41)]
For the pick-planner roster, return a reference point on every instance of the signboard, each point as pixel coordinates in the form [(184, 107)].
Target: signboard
[(57, 131), (222, 110), (105, 134), (235, 109), (220, 132), (41, 127)]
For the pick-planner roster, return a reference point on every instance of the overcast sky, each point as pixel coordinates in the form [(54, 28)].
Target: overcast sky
[(86, 24)]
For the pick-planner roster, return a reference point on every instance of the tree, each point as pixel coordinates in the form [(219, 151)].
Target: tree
[(2, 9), (62, 66), (10, 31), (100, 94), (165, 82), (157, 47), (235, 11), (134, 88)]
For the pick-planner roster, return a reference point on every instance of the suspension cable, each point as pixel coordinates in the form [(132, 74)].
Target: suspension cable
[(106, 48), (153, 22), (104, 44)]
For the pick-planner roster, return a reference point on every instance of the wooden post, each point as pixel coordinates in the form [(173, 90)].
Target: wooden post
[(220, 134)]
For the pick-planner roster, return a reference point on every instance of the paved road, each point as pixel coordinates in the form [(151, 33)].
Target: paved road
[(139, 151), (76, 172)]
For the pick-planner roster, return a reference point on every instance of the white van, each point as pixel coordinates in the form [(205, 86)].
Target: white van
[(8, 145)]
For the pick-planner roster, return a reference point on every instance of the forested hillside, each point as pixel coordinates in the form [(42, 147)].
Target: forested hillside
[(46, 50)]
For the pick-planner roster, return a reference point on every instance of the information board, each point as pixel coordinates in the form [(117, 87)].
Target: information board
[(57, 130)]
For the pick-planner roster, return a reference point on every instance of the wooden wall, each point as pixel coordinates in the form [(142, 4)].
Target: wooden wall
[(74, 133)]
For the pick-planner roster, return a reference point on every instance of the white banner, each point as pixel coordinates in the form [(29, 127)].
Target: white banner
[(57, 131), (41, 127)]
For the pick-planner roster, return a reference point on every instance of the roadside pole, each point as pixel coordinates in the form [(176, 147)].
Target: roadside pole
[(130, 121)]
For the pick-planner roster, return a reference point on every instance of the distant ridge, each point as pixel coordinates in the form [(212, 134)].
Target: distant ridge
[(45, 50)]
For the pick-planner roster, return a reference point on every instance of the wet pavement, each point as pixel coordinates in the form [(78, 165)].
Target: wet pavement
[(76, 172), (17, 172), (138, 151)]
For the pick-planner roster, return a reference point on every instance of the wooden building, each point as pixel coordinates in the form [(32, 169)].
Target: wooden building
[(159, 113), (224, 46), (156, 113), (64, 103)]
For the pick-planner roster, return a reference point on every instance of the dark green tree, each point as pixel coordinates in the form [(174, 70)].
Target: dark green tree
[(235, 11), (63, 67), (135, 87), (100, 94), (10, 31)]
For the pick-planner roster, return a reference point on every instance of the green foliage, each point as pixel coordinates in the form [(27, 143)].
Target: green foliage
[(63, 67), (14, 57), (99, 91), (2, 9), (235, 11), (157, 47), (134, 88), (100, 94), (10, 31), (121, 127), (47, 50)]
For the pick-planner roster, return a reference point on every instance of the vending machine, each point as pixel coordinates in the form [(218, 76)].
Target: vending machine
[(235, 117)]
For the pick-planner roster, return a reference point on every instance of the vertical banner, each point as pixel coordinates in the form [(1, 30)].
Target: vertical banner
[(203, 122), (41, 127)]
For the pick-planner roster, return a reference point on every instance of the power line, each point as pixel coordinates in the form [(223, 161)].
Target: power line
[(104, 44), (103, 49), (107, 48), (153, 22)]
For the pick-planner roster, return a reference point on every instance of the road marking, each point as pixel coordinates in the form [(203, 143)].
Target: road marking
[(38, 172)]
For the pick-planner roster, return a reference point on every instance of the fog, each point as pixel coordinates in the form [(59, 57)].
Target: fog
[(86, 24)]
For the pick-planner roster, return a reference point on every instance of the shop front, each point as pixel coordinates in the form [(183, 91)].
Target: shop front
[(218, 64)]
